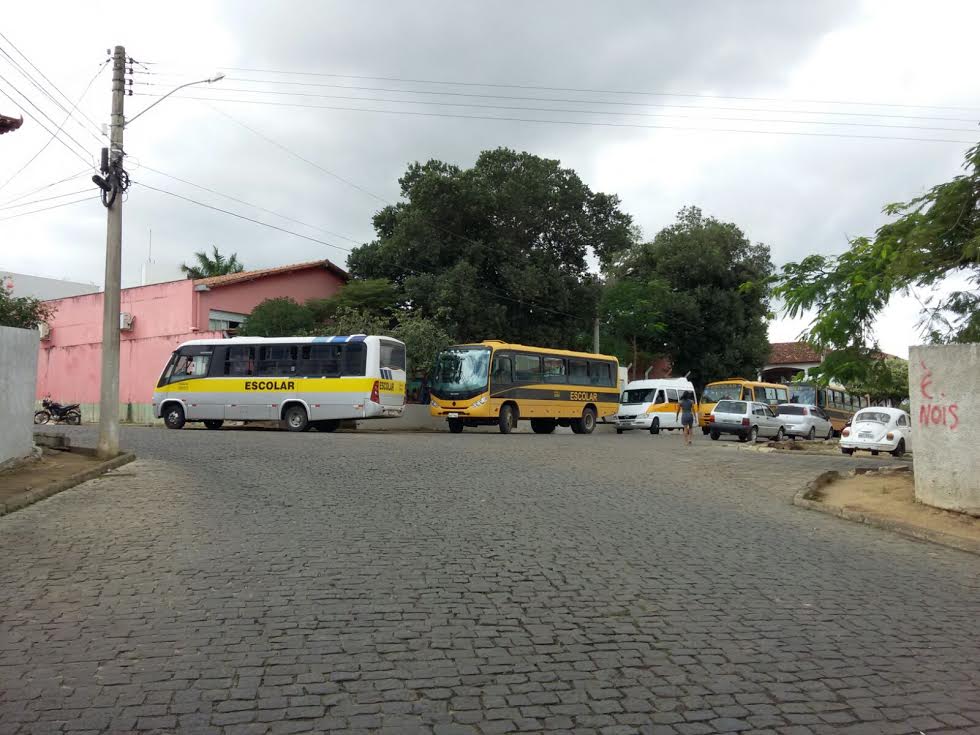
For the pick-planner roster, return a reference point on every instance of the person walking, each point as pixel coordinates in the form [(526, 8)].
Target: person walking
[(685, 410)]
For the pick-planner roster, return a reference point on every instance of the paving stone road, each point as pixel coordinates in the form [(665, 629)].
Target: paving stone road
[(244, 582)]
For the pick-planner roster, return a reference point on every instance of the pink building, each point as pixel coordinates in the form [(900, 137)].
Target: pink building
[(154, 320)]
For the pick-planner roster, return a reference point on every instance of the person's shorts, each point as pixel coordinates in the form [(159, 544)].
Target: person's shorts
[(687, 421)]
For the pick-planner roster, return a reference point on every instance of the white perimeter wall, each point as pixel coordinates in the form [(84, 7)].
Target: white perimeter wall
[(18, 374), (944, 383)]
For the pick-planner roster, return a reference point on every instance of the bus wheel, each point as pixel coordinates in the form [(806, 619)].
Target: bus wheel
[(213, 423), (507, 420), (173, 417), (455, 426), (295, 418), (586, 424), (546, 426), (655, 426), (326, 425)]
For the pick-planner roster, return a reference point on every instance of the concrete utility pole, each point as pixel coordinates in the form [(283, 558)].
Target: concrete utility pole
[(595, 335), (109, 395)]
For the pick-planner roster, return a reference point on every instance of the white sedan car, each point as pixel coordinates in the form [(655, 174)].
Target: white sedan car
[(878, 429)]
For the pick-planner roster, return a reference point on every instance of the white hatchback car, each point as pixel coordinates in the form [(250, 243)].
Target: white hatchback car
[(878, 429)]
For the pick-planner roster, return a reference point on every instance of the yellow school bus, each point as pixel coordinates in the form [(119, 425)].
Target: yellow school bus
[(493, 382), (739, 389)]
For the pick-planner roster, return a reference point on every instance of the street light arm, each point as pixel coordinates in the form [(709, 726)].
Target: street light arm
[(212, 80)]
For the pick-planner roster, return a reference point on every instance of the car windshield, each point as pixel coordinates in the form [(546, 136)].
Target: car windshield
[(791, 410), (730, 407), (460, 372), (877, 416), (637, 395), (803, 394), (721, 391)]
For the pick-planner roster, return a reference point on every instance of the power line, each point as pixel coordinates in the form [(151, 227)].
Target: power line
[(587, 123), (594, 112), (249, 204), (46, 129), (562, 100), (241, 216), (46, 199), (55, 133), (45, 209), (45, 78), (83, 172), (542, 88)]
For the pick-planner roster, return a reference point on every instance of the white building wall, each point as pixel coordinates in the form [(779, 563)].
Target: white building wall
[(18, 374), (45, 289)]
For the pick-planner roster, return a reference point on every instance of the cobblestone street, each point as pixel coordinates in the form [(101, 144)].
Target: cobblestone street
[(249, 582)]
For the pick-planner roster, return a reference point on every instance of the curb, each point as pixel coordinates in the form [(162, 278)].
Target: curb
[(32, 496), (871, 519)]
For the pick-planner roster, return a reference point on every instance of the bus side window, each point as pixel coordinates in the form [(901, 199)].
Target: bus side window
[(353, 359), (782, 395), (578, 372), (600, 373), (554, 370), (771, 396), (238, 360), (527, 369), (747, 394), (503, 369)]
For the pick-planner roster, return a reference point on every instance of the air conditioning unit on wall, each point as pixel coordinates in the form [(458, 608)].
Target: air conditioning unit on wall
[(44, 329), (125, 321)]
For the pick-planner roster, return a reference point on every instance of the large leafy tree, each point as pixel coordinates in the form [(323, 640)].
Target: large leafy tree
[(279, 317), (24, 312), (707, 296), (501, 249), (934, 236), (215, 264), (375, 296), (631, 312)]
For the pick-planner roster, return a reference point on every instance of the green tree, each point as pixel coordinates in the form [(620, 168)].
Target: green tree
[(632, 311), (884, 379), (279, 317), (712, 295), (497, 250), (935, 236), (23, 312), (372, 296), (214, 265)]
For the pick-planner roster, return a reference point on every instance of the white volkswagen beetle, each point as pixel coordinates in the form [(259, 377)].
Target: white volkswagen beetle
[(878, 429)]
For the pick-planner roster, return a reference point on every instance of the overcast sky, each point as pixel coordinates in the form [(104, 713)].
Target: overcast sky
[(901, 64)]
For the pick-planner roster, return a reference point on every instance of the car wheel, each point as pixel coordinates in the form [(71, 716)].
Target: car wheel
[(753, 435), (780, 435), (813, 433), (830, 434), (455, 426), (586, 424), (874, 452), (844, 450), (507, 419), (655, 426), (295, 418), (173, 416), (214, 424), (900, 449), (715, 435), (619, 431)]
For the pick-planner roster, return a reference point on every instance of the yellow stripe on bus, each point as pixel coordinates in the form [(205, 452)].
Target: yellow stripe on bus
[(283, 385)]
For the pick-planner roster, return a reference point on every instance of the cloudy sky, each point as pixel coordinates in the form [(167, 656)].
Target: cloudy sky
[(666, 104)]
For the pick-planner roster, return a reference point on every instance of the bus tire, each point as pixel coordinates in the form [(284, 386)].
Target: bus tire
[(327, 425), (655, 426), (173, 416), (507, 420), (586, 424), (546, 426), (455, 426), (213, 424), (294, 418)]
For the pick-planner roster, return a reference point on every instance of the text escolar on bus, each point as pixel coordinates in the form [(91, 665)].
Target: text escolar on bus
[(498, 383), (302, 382)]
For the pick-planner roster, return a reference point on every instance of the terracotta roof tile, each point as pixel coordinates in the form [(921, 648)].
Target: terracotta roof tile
[(791, 353), (230, 278)]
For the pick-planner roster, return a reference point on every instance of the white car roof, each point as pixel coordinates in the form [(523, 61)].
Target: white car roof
[(660, 383), (883, 409)]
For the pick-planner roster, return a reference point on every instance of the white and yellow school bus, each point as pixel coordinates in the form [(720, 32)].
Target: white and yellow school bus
[(652, 404), (302, 382), (495, 382)]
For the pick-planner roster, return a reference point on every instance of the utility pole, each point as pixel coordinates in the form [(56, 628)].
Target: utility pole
[(109, 395), (595, 335)]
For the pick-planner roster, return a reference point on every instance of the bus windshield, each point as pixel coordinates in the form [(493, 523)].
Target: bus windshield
[(722, 391), (803, 394), (460, 372)]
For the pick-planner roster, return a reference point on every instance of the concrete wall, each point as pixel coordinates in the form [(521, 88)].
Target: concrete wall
[(944, 382), (18, 371)]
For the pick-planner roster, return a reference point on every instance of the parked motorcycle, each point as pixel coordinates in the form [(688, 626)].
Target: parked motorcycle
[(69, 414)]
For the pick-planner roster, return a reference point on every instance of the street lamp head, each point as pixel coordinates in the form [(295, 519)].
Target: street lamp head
[(216, 78)]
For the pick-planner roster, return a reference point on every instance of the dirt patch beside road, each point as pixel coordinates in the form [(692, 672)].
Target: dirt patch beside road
[(887, 499)]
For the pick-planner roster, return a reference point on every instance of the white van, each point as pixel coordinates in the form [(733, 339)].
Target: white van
[(652, 404)]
